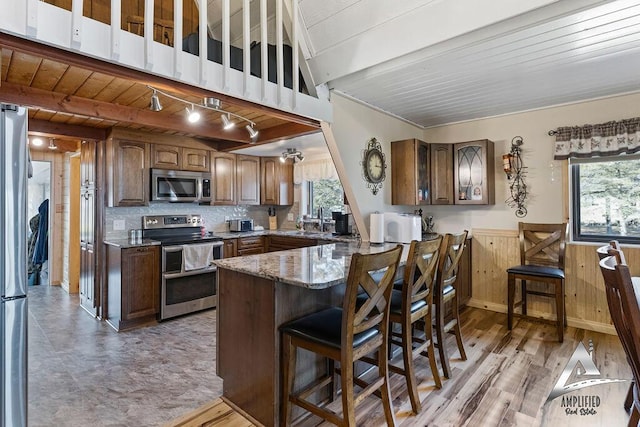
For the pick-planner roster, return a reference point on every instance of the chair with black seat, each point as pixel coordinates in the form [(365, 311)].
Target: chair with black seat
[(445, 294), (542, 248), (345, 334), (603, 252), (412, 303), (624, 307)]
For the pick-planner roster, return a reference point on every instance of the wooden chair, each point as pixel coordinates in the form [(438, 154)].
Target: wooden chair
[(135, 24), (451, 250), (603, 252), (412, 303), (345, 335), (162, 28), (624, 307), (542, 248)]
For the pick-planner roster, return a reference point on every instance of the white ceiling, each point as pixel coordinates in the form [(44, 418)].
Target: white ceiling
[(433, 62), (311, 146)]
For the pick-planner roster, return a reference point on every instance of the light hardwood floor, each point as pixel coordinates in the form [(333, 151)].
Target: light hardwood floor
[(505, 381)]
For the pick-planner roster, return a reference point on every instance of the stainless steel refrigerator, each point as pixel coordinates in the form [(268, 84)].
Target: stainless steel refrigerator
[(13, 265)]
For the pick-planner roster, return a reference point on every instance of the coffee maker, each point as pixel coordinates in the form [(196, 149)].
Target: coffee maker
[(342, 226)]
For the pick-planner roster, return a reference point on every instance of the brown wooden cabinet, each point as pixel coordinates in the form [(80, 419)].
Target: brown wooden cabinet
[(281, 243), (441, 174), (474, 173), (250, 245), (410, 172), (179, 158), (223, 171), (276, 181), (127, 173), (230, 248), (133, 285), (248, 180)]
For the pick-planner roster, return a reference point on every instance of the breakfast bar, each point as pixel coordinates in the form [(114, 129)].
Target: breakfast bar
[(256, 295)]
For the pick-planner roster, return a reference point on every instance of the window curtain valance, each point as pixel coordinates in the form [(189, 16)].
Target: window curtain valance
[(314, 170), (606, 139)]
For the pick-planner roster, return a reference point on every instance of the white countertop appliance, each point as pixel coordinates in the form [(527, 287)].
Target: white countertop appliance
[(402, 228)]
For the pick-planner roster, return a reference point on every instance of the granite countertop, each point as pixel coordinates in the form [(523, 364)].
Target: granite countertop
[(316, 267), (287, 233), (127, 243)]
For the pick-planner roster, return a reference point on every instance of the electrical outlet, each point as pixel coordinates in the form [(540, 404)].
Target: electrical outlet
[(119, 224), (289, 217)]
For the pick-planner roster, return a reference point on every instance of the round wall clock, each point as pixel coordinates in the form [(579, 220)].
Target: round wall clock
[(373, 165)]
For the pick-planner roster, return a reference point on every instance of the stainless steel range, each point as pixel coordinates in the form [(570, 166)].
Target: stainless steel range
[(188, 277)]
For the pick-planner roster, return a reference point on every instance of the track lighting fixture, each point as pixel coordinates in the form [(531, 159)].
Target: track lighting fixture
[(155, 102), (253, 134), (226, 122), (192, 115), (52, 145), (208, 103), (296, 155)]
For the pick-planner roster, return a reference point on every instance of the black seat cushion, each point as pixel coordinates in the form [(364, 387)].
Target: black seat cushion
[(396, 303), (325, 327), (537, 270)]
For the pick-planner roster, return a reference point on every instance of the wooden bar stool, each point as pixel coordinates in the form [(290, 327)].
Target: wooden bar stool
[(444, 290), (624, 307), (542, 248), (345, 335), (412, 303)]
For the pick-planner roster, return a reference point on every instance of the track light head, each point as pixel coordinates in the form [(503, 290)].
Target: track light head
[(211, 102), (192, 114), (52, 144), (155, 102), (227, 124), (253, 134), (300, 156), (283, 158)]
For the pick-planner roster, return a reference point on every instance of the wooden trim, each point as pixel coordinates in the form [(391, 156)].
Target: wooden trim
[(53, 101), (240, 411), (96, 65), (571, 321), (44, 128), (566, 190), (494, 232), (143, 136)]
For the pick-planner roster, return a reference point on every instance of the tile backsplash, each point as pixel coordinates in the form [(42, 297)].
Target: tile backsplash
[(214, 216)]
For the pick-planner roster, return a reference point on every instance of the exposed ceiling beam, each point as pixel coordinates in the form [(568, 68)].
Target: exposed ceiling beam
[(427, 26), (71, 58), (44, 128), (39, 98), (272, 134)]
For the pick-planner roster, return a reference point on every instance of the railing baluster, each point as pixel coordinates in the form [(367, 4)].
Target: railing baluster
[(116, 25), (32, 17), (279, 51), (148, 34), (76, 23), (264, 53), (177, 38), (203, 31), (295, 50), (226, 45), (246, 44)]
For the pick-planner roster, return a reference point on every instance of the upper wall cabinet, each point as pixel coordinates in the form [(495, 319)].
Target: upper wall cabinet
[(181, 158), (248, 179), (474, 179), (223, 171), (410, 172), (441, 174), (127, 173), (276, 183)]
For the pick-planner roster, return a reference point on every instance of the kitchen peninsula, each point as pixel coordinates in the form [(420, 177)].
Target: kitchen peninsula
[(256, 295)]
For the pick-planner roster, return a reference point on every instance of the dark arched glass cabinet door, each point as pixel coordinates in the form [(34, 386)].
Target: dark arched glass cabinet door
[(474, 173)]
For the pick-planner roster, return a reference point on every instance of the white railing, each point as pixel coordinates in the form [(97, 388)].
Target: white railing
[(71, 30)]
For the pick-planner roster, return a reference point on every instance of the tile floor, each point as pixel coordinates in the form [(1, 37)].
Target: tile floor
[(83, 373)]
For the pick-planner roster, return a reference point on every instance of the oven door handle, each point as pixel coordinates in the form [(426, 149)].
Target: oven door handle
[(212, 269)]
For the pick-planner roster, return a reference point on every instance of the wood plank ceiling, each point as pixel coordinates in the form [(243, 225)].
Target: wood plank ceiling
[(77, 97)]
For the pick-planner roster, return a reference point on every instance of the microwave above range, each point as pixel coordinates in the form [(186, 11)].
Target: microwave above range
[(180, 186)]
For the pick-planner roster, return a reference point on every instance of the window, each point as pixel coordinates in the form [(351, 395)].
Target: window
[(606, 200), (327, 194)]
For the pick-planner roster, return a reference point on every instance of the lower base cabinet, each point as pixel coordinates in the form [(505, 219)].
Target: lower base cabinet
[(133, 286), (281, 243)]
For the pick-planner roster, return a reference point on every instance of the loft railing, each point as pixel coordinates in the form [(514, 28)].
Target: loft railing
[(249, 50)]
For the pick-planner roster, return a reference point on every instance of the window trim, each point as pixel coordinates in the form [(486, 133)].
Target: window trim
[(577, 236)]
